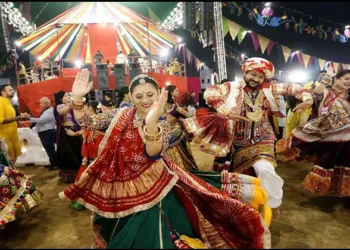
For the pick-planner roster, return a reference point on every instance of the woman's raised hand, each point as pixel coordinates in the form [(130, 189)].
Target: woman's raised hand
[(156, 110), (81, 85)]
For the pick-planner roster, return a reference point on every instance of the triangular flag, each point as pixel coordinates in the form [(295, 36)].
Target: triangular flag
[(255, 41), (189, 56), (270, 46), (233, 28), (286, 52), (311, 61), (241, 34), (300, 58), (306, 59), (198, 64), (225, 26), (263, 43), (152, 16), (346, 66), (340, 67), (335, 66), (321, 62)]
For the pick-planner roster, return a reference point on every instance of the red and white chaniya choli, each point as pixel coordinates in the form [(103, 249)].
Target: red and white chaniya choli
[(123, 180), (245, 147)]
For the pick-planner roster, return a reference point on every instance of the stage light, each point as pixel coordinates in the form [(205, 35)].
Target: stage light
[(297, 51), (18, 43), (298, 76), (168, 83), (13, 16), (174, 20), (267, 4), (164, 52), (179, 39), (249, 31), (39, 58), (243, 55), (347, 27), (78, 64)]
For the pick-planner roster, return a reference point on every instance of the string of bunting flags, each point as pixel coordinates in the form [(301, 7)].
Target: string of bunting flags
[(267, 17), (265, 44), (190, 57)]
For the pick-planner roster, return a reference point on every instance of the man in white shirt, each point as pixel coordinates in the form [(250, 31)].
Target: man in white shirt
[(121, 58), (45, 125)]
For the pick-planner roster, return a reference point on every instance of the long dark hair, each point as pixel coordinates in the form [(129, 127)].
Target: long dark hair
[(94, 105), (58, 100), (121, 94), (170, 89)]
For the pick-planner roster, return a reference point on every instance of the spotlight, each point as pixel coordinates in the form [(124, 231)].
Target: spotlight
[(243, 55), (18, 43), (164, 52), (78, 64), (297, 51), (39, 58), (249, 31), (347, 27), (298, 76), (179, 39), (168, 83), (267, 4)]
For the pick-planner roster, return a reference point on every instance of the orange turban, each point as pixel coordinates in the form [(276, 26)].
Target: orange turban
[(260, 65)]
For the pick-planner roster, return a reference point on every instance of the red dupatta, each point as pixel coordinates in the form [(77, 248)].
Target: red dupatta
[(112, 190)]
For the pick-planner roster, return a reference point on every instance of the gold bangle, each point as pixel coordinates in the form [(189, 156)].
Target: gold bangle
[(153, 137)]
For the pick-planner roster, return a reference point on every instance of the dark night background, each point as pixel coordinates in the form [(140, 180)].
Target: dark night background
[(311, 45)]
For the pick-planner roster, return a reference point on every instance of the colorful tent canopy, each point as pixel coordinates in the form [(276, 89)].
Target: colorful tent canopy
[(90, 26)]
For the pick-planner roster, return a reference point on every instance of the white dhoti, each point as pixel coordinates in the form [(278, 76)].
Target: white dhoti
[(270, 181)]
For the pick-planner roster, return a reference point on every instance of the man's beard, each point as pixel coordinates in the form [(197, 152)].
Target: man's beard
[(249, 85)]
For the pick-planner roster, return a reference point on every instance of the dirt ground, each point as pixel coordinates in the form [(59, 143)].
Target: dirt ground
[(306, 221)]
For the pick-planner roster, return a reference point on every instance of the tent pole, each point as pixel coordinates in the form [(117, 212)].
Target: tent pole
[(58, 44), (149, 48)]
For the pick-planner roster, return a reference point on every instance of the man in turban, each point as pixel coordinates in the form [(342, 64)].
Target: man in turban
[(240, 134)]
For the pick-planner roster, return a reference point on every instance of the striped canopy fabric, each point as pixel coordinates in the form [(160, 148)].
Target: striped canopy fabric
[(90, 26)]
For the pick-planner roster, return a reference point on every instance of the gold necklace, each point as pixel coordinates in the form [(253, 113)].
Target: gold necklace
[(257, 114)]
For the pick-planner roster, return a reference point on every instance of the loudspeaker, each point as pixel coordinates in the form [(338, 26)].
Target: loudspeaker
[(206, 16), (119, 75), (189, 15), (102, 76), (206, 78), (4, 36), (134, 70)]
